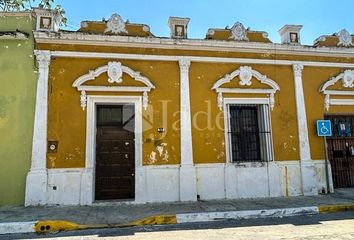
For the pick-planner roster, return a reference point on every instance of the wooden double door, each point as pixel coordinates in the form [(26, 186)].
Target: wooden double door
[(340, 149), (115, 153)]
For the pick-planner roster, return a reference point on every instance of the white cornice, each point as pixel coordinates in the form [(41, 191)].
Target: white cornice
[(13, 35), (77, 38), (16, 14), (169, 58), (342, 102), (245, 90)]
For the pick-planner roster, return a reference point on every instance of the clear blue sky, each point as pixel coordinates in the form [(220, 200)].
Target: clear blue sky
[(318, 17)]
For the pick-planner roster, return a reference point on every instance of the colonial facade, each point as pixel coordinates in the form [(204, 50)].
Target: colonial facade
[(124, 115)]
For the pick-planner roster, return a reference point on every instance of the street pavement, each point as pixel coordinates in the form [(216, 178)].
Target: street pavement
[(314, 227), (123, 213)]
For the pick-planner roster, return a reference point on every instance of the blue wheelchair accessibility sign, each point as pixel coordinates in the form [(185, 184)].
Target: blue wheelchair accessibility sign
[(324, 128)]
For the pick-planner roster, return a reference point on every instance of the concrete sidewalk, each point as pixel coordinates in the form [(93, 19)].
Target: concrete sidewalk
[(118, 213)]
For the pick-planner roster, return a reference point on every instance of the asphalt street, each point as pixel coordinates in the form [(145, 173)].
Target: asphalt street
[(321, 226)]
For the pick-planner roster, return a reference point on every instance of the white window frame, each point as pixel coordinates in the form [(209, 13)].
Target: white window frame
[(348, 101), (267, 121)]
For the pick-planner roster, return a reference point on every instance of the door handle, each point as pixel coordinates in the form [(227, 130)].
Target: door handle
[(133, 174), (126, 156)]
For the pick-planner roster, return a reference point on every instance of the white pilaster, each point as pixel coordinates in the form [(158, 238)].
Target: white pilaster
[(36, 182), (307, 167), (188, 184)]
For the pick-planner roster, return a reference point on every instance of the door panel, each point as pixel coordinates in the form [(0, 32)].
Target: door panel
[(115, 156), (340, 149)]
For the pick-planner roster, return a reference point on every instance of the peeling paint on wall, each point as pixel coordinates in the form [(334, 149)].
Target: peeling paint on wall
[(159, 152), (152, 157), (220, 155)]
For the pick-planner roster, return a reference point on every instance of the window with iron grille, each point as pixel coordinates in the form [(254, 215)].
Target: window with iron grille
[(342, 125), (249, 133)]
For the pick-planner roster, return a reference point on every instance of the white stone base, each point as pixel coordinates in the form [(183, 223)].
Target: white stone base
[(36, 188), (321, 178), (164, 183), (309, 186), (274, 179), (161, 184), (188, 185), (64, 186)]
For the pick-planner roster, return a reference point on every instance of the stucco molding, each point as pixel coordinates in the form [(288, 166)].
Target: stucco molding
[(189, 44), (238, 32), (13, 35), (342, 102), (115, 24), (306, 164), (175, 58), (301, 113), (298, 68), (115, 72), (347, 78), (345, 39), (17, 14), (245, 74), (188, 184), (36, 181)]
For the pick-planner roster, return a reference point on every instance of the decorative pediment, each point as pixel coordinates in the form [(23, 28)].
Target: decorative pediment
[(115, 24), (345, 39), (245, 74), (238, 32), (347, 79), (115, 72)]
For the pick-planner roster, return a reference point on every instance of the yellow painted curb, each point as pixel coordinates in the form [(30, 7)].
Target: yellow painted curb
[(59, 225), (153, 220), (335, 208)]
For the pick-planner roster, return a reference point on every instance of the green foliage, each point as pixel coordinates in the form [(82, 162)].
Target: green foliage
[(12, 5), (21, 5)]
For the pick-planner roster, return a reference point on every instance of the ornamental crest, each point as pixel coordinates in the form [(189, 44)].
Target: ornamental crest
[(345, 38), (348, 79), (116, 24), (238, 32), (115, 72), (245, 76)]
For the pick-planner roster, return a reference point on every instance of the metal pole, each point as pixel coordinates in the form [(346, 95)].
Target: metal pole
[(326, 163)]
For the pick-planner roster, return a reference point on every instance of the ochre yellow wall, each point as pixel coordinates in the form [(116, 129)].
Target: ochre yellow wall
[(67, 121), (313, 78), (208, 145)]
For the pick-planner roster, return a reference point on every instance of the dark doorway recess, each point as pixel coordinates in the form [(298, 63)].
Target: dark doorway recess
[(115, 152)]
